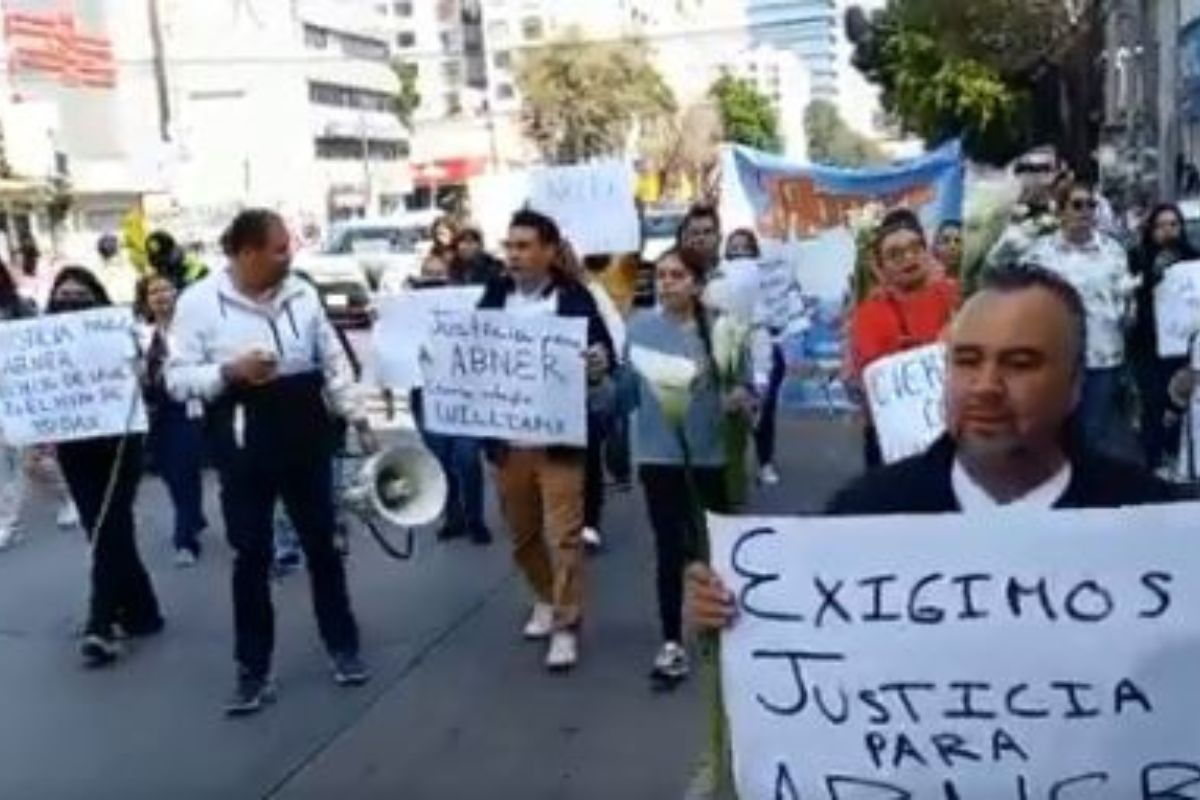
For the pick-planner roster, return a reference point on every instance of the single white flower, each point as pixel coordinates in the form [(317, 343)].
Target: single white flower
[(730, 340), (671, 379)]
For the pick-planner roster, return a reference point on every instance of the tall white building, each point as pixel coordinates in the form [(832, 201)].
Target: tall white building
[(287, 105)]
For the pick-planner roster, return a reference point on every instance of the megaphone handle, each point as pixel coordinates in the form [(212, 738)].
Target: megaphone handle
[(399, 554)]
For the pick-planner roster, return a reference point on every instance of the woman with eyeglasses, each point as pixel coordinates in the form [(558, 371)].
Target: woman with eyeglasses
[(1164, 244), (910, 306), (1098, 268)]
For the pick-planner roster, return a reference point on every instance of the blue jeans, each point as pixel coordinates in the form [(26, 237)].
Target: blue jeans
[(460, 458), (1102, 421), (178, 444)]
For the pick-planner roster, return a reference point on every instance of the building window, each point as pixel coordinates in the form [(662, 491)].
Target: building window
[(497, 30), (532, 28), (329, 94), (346, 148), (453, 104), (402, 9), (315, 38), (406, 39), (452, 73), (504, 91), (364, 48), (502, 59)]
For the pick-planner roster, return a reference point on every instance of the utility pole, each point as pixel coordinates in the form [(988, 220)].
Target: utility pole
[(1167, 17), (158, 49)]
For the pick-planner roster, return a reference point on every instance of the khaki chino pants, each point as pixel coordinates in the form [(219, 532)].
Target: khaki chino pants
[(542, 499)]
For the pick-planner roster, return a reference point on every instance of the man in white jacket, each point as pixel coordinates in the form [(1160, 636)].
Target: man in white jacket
[(254, 343)]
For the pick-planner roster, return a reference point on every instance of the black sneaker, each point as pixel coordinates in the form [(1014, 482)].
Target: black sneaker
[(450, 531), (250, 696), (349, 670), (99, 651), (480, 535)]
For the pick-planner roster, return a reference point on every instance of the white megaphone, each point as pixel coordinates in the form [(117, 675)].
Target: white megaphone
[(403, 486)]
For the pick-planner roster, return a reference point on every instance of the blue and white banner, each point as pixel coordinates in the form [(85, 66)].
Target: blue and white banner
[(808, 214)]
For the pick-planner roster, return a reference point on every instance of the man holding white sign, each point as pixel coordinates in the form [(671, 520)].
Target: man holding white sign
[(540, 479), (1014, 372)]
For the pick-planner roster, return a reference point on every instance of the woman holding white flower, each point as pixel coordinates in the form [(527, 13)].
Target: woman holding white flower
[(681, 405)]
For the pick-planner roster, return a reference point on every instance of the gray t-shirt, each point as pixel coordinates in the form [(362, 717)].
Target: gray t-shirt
[(654, 440)]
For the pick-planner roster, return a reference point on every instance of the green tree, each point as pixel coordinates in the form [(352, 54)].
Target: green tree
[(1002, 74), (408, 98), (832, 141), (583, 99), (746, 115)]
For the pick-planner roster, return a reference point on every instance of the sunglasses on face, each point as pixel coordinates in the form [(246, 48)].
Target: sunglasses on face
[(1033, 169)]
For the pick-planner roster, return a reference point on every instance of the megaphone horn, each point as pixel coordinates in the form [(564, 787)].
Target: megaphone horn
[(403, 486)]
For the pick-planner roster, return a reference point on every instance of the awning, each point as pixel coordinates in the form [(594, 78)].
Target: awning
[(449, 170)]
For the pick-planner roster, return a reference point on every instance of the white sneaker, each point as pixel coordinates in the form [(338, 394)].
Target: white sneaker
[(591, 539), (768, 475), (9, 537), (671, 663), (541, 622), (68, 515), (564, 651)]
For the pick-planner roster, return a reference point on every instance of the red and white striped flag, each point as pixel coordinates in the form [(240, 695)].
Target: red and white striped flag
[(54, 43)]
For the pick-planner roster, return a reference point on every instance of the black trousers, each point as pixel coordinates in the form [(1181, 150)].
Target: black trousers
[(764, 432), (284, 452), (676, 535), (593, 483), (121, 590)]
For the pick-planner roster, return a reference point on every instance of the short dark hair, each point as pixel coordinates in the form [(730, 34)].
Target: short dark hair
[(947, 224), (1071, 185), (546, 228), (469, 235), (697, 211), (894, 221), (745, 233), (249, 230), (1018, 277)]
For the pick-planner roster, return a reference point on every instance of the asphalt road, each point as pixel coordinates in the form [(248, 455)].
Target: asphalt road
[(459, 706)]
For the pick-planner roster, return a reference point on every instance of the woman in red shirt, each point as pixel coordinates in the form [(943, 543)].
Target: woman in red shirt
[(909, 308)]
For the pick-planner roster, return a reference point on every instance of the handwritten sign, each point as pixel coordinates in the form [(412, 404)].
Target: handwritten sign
[(905, 392), (781, 301), (1177, 308), (592, 203), (69, 377), (403, 328), (516, 378), (1019, 656)]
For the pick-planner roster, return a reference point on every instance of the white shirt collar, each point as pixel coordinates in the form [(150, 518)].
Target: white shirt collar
[(973, 498)]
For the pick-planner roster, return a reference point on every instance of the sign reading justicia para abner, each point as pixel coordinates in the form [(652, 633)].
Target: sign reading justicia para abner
[(1009, 656)]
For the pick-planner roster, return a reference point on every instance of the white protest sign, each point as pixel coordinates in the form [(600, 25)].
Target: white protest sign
[(1177, 308), (68, 377), (403, 327), (592, 203), (781, 302), (517, 378), (906, 394), (1011, 656)]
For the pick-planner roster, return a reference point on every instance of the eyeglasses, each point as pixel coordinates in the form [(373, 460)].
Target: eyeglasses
[(1081, 204)]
